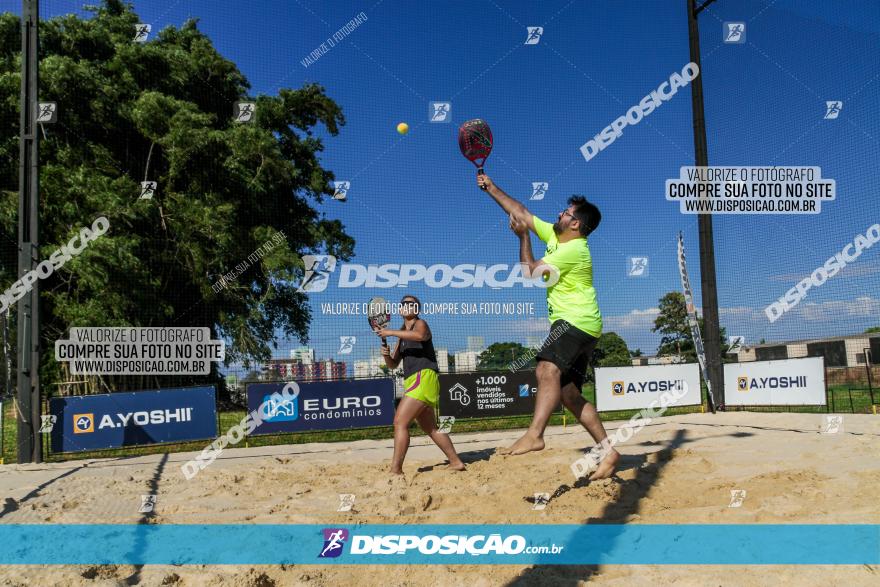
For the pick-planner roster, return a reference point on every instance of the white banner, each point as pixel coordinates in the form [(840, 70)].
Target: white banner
[(633, 388), (792, 382)]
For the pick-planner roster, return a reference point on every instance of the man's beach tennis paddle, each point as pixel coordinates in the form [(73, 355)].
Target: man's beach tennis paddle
[(475, 142)]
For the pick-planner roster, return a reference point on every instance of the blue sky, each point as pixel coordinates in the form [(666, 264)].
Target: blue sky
[(765, 101)]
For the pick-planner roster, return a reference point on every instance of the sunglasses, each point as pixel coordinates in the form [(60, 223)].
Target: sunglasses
[(407, 303)]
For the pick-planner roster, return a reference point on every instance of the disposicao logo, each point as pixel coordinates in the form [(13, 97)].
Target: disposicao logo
[(442, 545), (409, 545), (318, 270), (334, 540)]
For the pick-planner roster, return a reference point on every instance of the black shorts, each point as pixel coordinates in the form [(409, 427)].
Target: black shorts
[(570, 349)]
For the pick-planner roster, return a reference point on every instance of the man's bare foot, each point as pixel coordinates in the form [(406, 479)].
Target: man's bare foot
[(398, 472), (607, 466), (459, 466), (525, 444)]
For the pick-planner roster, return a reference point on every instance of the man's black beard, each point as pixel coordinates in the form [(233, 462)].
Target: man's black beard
[(557, 228)]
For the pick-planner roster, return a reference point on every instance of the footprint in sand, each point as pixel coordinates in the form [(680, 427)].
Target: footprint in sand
[(428, 502)]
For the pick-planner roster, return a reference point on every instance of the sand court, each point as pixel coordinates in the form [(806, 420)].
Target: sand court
[(678, 469)]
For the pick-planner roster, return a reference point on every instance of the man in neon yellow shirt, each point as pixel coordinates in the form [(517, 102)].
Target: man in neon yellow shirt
[(576, 322)]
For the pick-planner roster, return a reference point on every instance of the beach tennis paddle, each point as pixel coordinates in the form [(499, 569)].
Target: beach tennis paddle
[(378, 316), (475, 142)]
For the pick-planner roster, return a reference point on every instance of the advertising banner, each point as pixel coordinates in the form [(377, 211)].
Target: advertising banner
[(488, 394), (792, 382), (114, 420), (634, 388), (324, 405)]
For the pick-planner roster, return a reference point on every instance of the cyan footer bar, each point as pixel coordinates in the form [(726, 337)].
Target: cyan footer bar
[(676, 544)]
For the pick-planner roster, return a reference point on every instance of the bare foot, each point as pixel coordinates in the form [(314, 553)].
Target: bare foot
[(459, 466), (525, 444), (607, 466), (398, 472)]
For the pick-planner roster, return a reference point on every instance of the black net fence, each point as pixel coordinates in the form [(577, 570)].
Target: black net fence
[(257, 174)]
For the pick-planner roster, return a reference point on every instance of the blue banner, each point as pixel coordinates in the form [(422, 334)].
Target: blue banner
[(674, 544), (324, 405), (113, 420)]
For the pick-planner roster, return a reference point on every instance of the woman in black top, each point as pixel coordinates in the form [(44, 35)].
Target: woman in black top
[(422, 387)]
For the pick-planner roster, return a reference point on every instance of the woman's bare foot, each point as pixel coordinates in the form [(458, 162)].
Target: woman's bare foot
[(607, 466), (527, 443), (458, 466)]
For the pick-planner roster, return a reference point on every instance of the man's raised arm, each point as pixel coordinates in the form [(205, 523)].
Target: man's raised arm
[(512, 207)]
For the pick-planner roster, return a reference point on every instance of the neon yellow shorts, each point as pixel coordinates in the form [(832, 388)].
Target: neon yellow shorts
[(424, 386)]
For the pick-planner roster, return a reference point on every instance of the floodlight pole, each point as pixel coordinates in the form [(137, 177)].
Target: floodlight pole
[(709, 288), (28, 343)]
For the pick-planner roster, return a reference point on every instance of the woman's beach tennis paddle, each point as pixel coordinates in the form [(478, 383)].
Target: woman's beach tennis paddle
[(378, 316)]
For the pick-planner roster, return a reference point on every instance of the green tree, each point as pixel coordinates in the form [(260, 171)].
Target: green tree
[(672, 323), (498, 356), (611, 351), (872, 330), (252, 376), (162, 110)]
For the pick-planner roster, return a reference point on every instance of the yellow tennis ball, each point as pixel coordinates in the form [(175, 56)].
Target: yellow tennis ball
[(403, 128)]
